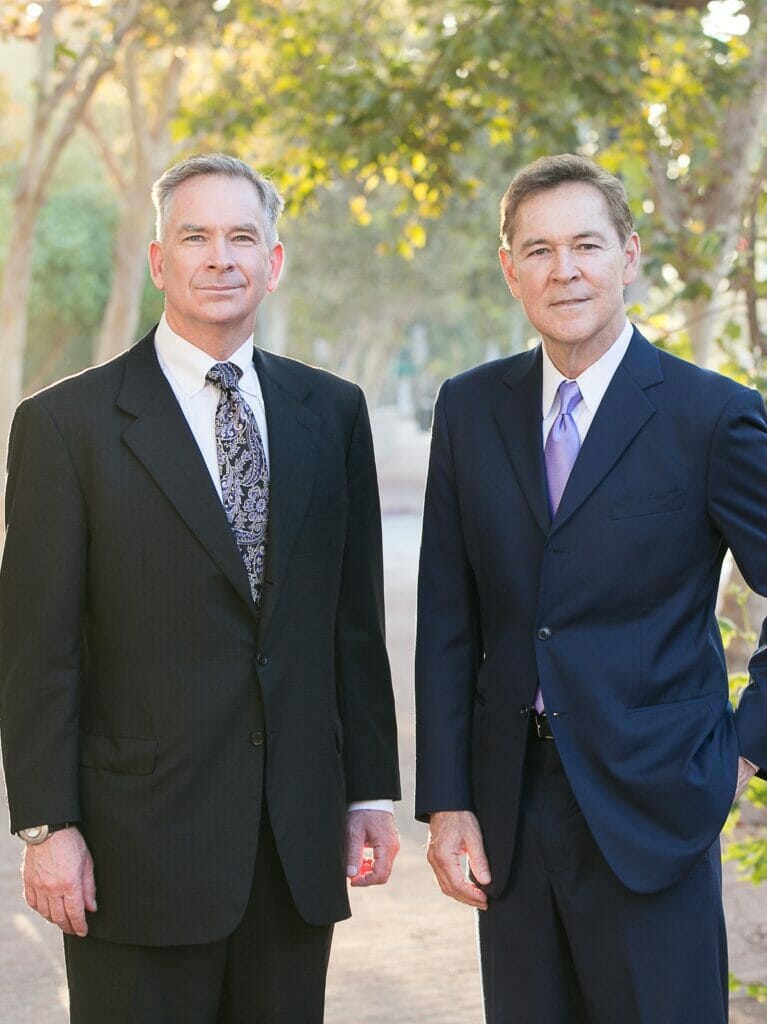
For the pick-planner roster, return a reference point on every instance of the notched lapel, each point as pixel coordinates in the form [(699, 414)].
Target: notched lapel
[(159, 436), (622, 413), (518, 414), (293, 430)]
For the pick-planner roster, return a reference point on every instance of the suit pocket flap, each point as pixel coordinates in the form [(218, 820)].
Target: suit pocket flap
[(648, 505), (129, 754)]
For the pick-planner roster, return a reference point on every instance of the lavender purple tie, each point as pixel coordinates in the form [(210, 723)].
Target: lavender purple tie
[(562, 444), (562, 447)]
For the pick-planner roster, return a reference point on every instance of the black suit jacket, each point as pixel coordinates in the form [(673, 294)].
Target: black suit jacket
[(142, 695), (610, 606)]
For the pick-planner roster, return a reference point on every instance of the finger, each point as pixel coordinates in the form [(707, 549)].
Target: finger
[(478, 862), (75, 915), (59, 915), (384, 852), (355, 846), (458, 887), (89, 888)]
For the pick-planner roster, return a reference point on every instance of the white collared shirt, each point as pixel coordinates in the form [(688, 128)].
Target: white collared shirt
[(593, 383), (185, 366)]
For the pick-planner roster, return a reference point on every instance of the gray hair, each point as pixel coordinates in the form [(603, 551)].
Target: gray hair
[(550, 171), (221, 164)]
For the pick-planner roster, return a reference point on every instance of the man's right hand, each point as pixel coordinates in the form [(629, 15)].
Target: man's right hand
[(58, 880), (451, 835)]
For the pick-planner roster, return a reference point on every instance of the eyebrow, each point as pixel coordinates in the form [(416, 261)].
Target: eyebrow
[(248, 227), (532, 242)]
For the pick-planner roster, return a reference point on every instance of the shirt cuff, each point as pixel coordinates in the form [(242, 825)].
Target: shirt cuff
[(372, 805), (754, 766)]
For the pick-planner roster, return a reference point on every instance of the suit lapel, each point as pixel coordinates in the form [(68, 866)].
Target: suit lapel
[(518, 415), (622, 413), (293, 431), (159, 436)]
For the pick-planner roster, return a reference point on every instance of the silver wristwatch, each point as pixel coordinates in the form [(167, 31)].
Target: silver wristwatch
[(36, 834)]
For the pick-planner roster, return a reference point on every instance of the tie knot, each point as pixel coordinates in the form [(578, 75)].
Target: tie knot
[(224, 375), (569, 396)]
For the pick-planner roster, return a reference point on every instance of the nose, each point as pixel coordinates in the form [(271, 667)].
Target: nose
[(219, 255), (565, 267)]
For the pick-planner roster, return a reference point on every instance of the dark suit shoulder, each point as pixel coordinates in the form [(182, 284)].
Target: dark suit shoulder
[(706, 389), (71, 393), (301, 378), (479, 378)]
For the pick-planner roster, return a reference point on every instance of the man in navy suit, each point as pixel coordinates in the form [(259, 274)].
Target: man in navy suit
[(575, 737)]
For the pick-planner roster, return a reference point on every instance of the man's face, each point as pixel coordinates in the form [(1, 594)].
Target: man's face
[(214, 262), (568, 268)]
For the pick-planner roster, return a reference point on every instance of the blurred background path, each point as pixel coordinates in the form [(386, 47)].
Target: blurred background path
[(408, 955)]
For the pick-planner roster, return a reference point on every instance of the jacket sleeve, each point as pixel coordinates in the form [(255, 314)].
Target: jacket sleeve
[(42, 602), (737, 497), (448, 642), (363, 677)]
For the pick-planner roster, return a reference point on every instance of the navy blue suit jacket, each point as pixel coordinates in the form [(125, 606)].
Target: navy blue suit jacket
[(611, 606)]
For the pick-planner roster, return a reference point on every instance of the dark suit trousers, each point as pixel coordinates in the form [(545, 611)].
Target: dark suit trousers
[(271, 970), (567, 943)]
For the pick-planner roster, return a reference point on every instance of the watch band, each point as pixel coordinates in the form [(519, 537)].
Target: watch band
[(36, 834)]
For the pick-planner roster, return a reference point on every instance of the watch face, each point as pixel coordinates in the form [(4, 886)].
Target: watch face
[(35, 834)]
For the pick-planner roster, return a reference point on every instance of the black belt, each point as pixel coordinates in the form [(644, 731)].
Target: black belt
[(540, 726)]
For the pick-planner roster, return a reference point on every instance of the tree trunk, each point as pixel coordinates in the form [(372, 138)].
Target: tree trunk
[(14, 299), (129, 261)]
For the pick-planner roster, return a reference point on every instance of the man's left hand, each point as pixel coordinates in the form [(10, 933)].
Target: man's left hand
[(746, 772), (370, 831)]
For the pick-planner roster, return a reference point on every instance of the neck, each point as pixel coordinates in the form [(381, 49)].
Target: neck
[(572, 360), (219, 341)]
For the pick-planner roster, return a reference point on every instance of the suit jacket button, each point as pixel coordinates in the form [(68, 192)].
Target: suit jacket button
[(543, 633), (256, 738), (261, 659)]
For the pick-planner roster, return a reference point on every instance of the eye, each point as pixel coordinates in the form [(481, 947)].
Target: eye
[(193, 238), (588, 246), (245, 239), (538, 252)]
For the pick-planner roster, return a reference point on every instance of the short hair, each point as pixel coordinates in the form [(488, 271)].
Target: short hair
[(220, 164), (550, 171)]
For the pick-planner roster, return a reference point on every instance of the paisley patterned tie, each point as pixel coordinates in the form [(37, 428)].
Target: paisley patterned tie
[(243, 470)]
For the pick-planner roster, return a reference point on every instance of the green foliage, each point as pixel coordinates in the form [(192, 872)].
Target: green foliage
[(71, 281)]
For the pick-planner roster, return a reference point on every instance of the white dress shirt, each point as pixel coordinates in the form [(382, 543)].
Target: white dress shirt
[(185, 366), (593, 383)]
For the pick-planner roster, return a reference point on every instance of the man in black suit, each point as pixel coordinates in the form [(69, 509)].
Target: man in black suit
[(196, 707), (575, 736)]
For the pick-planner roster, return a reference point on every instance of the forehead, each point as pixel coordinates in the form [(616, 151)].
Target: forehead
[(573, 208), (215, 199)]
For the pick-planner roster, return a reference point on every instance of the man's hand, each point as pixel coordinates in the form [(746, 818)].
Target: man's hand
[(59, 882), (451, 835), (370, 830), (746, 772)]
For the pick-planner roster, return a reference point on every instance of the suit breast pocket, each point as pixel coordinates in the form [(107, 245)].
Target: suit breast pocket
[(633, 506)]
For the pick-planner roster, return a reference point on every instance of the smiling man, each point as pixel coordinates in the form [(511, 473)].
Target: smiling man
[(195, 700), (575, 737)]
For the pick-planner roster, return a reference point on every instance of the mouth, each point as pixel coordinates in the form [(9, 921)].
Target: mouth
[(568, 303), (219, 289)]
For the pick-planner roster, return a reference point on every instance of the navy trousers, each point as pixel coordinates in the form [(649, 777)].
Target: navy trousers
[(567, 943)]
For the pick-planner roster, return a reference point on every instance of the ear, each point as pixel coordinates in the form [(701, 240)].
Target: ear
[(276, 261), (156, 264), (631, 253), (509, 271)]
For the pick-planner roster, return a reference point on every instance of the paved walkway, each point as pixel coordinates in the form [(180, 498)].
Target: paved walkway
[(408, 955)]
